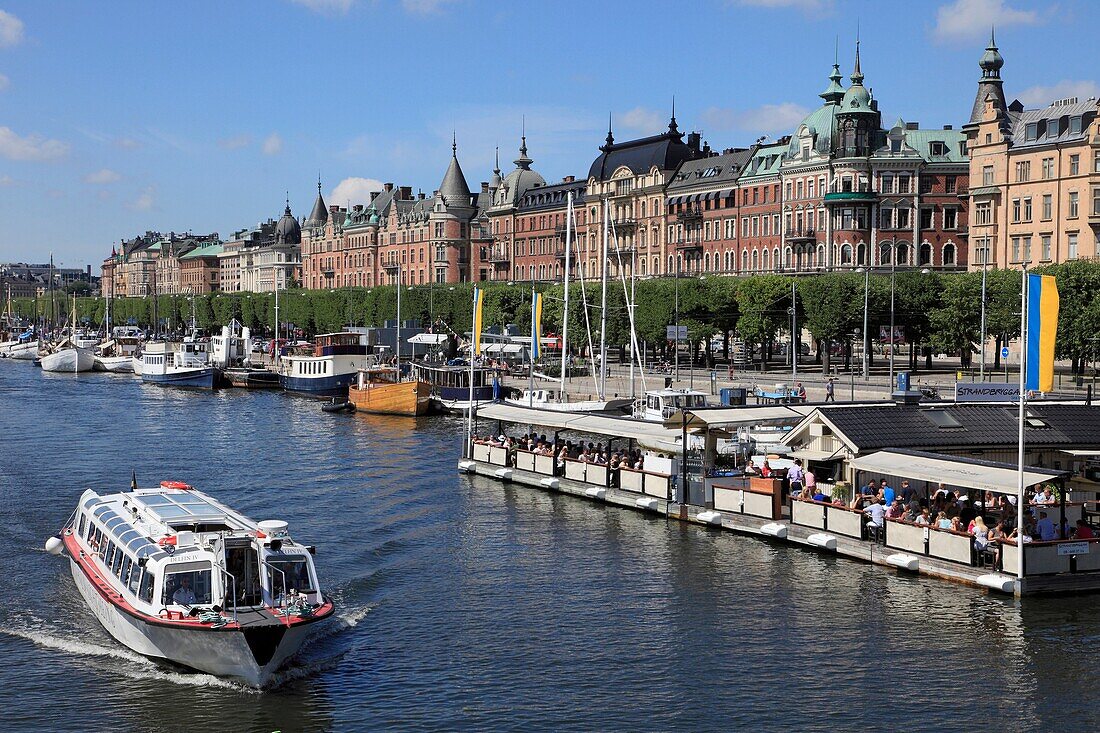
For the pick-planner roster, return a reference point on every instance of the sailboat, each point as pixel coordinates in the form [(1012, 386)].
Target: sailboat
[(116, 353), (559, 400), (67, 356), (381, 390)]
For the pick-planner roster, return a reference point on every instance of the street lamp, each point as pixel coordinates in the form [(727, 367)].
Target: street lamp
[(866, 293)]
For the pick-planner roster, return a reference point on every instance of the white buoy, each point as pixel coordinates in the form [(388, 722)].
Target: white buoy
[(710, 517), (903, 561), (54, 545), (504, 474), (996, 581), (550, 483), (820, 539), (775, 529), (646, 503), (467, 466), (595, 493)]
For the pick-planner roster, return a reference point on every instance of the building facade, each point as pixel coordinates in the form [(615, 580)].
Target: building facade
[(199, 270), (1035, 176)]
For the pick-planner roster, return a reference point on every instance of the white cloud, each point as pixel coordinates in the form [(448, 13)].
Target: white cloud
[(273, 144), (236, 142), (781, 117), (5, 82), (354, 190), (971, 19), (145, 200), (644, 120), (104, 195), (126, 143), (31, 147), (1041, 96), (102, 177), (326, 7), (424, 7), (11, 30), (6, 180)]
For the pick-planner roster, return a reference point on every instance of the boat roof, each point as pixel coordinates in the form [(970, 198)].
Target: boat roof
[(155, 512), (616, 427), (672, 392), (173, 506)]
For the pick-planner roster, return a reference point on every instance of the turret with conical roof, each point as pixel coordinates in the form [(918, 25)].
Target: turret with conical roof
[(454, 190), (319, 216), (990, 86), (856, 98), (522, 179), (834, 92), (287, 230)]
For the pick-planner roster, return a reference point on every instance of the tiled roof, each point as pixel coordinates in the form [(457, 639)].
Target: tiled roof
[(703, 172)]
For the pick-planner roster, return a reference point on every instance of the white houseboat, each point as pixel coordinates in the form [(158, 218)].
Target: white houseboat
[(177, 364), (175, 575), (327, 367)]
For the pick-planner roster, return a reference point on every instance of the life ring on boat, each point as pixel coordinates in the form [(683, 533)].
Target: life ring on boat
[(175, 485)]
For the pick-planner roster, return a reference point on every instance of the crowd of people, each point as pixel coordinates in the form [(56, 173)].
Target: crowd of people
[(567, 450)]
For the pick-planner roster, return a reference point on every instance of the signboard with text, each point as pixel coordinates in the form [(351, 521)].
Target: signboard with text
[(1073, 548), (676, 333), (987, 392)]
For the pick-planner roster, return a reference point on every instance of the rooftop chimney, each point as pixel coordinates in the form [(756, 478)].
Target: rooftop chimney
[(948, 127), (568, 179), (388, 186), (912, 125), (406, 193), (485, 187)]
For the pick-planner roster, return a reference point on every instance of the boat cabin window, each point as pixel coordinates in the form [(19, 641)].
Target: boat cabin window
[(83, 524), (145, 590), (124, 575), (296, 571), (188, 587), (133, 583), (109, 553), (116, 561)]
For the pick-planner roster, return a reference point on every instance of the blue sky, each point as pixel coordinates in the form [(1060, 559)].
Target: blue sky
[(124, 116)]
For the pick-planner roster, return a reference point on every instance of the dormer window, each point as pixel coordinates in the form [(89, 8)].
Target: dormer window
[(1031, 132), (1075, 125), (937, 148)]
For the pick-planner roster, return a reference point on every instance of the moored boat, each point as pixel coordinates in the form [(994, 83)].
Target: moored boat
[(381, 391), (327, 367), (177, 365), (68, 358), (26, 351), (173, 574), (551, 399), (450, 384)]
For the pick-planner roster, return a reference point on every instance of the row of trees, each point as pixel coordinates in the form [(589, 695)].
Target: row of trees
[(940, 313)]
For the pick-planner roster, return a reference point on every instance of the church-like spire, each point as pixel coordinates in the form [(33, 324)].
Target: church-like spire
[(835, 91), (319, 216), (610, 138), (991, 61), (857, 75), (672, 128), (454, 189), (523, 161)]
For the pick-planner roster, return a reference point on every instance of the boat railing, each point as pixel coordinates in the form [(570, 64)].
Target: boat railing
[(233, 578), (282, 603)]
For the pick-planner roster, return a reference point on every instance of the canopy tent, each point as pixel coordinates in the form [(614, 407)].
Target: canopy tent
[(428, 338), (724, 418), (503, 349), (614, 427), (962, 472)]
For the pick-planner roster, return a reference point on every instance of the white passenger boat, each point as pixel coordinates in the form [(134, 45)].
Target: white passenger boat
[(177, 365), (325, 368), (175, 575), (659, 404)]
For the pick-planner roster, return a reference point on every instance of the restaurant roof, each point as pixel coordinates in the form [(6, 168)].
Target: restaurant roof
[(722, 417), (965, 473), (614, 427)]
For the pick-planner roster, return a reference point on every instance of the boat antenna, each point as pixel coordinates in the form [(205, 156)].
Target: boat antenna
[(133, 479)]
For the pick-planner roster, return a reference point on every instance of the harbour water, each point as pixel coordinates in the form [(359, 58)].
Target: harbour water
[(465, 604)]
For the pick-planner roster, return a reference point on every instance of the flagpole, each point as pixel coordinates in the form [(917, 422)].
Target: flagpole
[(565, 310), (1020, 445), (470, 406), (534, 344)]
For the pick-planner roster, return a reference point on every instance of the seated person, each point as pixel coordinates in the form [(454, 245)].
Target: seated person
[(184, 596), (876, 513), (750, 468), (819, 496), (766, 470), (924, 518), (1083, 531), (895, 510), (1046, 529), (871, 489)]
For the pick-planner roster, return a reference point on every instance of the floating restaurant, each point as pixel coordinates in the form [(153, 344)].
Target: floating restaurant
[(940, 457)]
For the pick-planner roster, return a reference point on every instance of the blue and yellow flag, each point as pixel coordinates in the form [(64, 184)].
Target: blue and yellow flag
[(1042, 327), (479, 299), (536, 326)]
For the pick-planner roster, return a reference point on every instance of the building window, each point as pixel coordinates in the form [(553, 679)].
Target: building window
[(1031, 132), (903, 184), (926, 217), (1048, 168), (981, 251), (1071, 246), (1073, 204), (1096, 202), (948, 255), (987, 175), (1027, 208), (1023, 171), (1075, 125), (903, 218), (1015, 249), (950, 183), (1074, 164), (1045, 244), (887, 183), (1048, 206), (950, 217)]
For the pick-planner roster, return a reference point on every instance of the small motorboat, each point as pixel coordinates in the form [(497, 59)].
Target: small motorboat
[(174, 574), (338, 405)]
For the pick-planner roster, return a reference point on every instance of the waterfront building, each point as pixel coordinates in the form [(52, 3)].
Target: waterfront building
[(629, 179), (199, 270), (270, 256), (429, 239), (1035, 176)]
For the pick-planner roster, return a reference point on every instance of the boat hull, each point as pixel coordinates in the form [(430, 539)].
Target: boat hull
[(222, 652), (116, 364), (69, 360), (396, 398), (136, 365), (252, 378), (189, 378), (334, 386), (23, 352)]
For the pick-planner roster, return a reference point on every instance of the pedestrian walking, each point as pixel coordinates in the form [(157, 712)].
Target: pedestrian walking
[(829, 397)]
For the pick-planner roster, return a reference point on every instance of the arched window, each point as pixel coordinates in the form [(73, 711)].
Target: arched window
[(846, 254), (821, 255), (642, 266), (764, 261), (884, 253), (755, 260), (706, 261), (641, 237), (775, 259), (656, 265), (744, 260), (949, 255), (788, 257), (903, 253), (861, 254), (671, 266), (925, 254)]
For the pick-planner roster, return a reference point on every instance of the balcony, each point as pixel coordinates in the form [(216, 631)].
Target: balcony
[(497, 255), (391, 264), (689, 245), (851, 197), (624, 224), (692, 213), (800, 234), (1094, 219)]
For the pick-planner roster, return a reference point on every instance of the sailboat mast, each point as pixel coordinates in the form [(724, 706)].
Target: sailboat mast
[(1022, 416), (565, 310), (603, 303), (397, 337), (275, 285)]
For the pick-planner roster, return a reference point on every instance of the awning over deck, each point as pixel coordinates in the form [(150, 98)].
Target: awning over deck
[(613, 427), (953, 471), (428, 338), (722, 418)]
